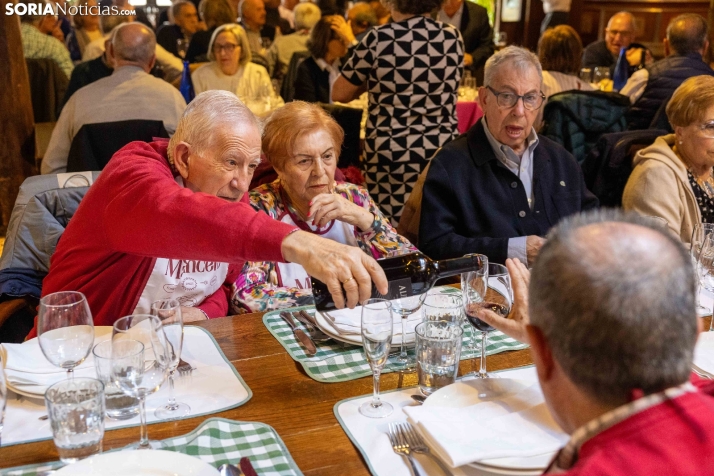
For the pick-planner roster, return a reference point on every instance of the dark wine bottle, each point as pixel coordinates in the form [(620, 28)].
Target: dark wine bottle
[(408, 275)]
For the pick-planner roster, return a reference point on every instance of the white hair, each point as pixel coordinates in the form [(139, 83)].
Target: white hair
[(518, 58), (204, 114), (306, 15)]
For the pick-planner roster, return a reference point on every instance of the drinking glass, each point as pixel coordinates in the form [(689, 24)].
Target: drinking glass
[(118, 405), (404, 307), (699, 235), (377, 339), (65, 329), (586, 74), (169, 312), (492, 291), (474, 296), (600, 74), (182, 47), (442, 307), (438, 351), (3, 396), (139, 362), (76, 412)]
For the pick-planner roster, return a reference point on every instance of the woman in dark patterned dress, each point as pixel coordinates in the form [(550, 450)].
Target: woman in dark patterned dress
[(411, 69)]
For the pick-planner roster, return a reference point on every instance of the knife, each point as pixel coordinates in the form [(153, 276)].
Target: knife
[(310, 318), (247, 467), (301, 336)]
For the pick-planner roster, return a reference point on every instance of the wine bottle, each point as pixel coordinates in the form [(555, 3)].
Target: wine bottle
[(186, 85), (408, 275)]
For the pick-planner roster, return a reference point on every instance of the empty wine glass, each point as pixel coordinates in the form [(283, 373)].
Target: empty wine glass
[(404, 307), (65, 329), (169, 313), (699, 235), (486, 290), (140, 362), (377, 339)]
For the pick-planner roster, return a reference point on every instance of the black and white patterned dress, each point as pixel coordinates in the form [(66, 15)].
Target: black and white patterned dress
[(412, 69)]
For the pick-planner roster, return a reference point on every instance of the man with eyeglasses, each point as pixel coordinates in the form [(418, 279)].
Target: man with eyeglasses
[(499, 188), (619, 33)]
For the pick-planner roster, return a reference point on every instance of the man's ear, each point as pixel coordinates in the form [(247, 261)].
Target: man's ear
[(541, 353), (181, 155)]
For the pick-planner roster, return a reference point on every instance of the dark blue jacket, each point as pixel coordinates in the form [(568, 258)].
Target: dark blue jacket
[(473, 204), (664, 77)]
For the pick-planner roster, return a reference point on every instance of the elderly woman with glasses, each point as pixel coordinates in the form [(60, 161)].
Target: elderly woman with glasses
[(230, 69), (498, 189), (672, 178), (303, 143)]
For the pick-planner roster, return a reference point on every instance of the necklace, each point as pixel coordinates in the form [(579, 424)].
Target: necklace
[(706, 184)]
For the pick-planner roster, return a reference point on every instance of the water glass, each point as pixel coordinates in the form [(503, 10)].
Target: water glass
[(65, 329), (438, 351), (586, 75), (601, 77), (442, 307), (377, 339), (118, 405), (3, 396), (76, 412)]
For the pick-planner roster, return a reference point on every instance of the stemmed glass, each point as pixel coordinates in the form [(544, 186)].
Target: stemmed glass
[(404, 307), (65, 329), (169, 313), (475, 297), (486, 290), (699, 235), (377, 339), (3, 397), (139, 362)]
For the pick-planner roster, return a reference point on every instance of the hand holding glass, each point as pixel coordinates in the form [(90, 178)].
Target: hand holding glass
[(377, 339)]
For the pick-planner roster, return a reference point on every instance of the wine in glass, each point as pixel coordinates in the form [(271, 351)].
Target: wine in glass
[(140, 362), (169, 313), (65, 329), (377, 339), (486, 290)]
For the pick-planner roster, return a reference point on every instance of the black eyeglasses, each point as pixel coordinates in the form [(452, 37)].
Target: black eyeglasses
[(228, 48), (531, 101)]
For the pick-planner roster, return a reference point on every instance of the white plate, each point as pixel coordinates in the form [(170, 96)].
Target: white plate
[(469, 392), (326, 326), (139, 463)]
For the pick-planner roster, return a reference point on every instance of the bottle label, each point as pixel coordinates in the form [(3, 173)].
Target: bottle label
[(399, 288)]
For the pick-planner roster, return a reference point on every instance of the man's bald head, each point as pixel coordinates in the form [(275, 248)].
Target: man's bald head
[(620, 32), (688, 34), (614, 298), (133, 44)]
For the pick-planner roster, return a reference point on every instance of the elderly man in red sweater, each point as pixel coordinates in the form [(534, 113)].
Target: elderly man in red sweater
[(165, 219), (612, 327)]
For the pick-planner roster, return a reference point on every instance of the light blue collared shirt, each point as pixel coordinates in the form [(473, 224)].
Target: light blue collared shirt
[(522, 167)]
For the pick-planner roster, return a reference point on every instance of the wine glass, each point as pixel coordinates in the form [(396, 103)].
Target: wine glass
[(140, 362), (475, 297), (65, 329), (486, 290), (377, 339), (404, 307), (169, 313), (3, 396), (699, 235)]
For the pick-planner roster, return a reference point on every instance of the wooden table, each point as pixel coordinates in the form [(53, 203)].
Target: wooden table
[(298, 407)]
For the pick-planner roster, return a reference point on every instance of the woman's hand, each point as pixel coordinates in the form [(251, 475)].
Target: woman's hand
[(343, 29), (333, 206)]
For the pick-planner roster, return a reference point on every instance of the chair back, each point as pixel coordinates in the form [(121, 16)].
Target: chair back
[(287, 89), (95, 144), (660, 120), (48, 84), (609, 164), (350, 119), (577, 119), (411, 214)]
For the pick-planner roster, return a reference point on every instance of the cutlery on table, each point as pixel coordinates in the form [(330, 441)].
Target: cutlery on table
[(420, 399), (230, 470), (247, 467), (184, 368), (416, 444), (400, 446), (314, 332), (300, 334)]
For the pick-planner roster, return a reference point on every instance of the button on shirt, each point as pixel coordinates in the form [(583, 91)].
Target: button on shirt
[(522, 167)]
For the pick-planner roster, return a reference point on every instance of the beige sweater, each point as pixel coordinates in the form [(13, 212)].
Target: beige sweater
[(658, 186)]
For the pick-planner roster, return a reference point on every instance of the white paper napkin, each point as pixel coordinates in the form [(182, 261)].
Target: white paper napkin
[(704, 353), (349, 321), (519, 425)]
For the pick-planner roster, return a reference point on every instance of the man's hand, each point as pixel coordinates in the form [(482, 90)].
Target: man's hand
[(192, 314), (338, 266), (515, 325), (468, 59), (533, 246), (636, 55)]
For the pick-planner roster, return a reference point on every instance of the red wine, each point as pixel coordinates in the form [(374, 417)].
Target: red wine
[(472, 309), (408, 275)]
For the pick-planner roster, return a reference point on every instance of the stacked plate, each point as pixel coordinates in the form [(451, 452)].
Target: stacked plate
[(344, 325), (139, 463)]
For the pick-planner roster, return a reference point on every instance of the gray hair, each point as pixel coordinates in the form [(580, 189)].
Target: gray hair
[(516, 57), (134, 42), (239, 33), (109, 22), (615, 298), (306, 15), (204, 114), (687, 33)]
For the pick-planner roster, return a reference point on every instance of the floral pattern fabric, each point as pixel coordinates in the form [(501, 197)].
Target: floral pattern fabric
[(257, 287)]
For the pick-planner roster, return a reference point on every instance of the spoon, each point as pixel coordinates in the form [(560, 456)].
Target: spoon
[(229, 470), (419, 398)]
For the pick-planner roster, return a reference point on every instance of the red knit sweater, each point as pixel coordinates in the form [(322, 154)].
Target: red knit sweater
[(136, 212)]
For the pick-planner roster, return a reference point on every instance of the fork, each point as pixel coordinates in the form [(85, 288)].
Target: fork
[(400, 447), (184, 368), (417, 445), (314, 333)]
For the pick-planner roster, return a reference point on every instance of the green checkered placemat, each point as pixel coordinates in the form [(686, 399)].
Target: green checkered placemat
[(217, 441), (338, 362)]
